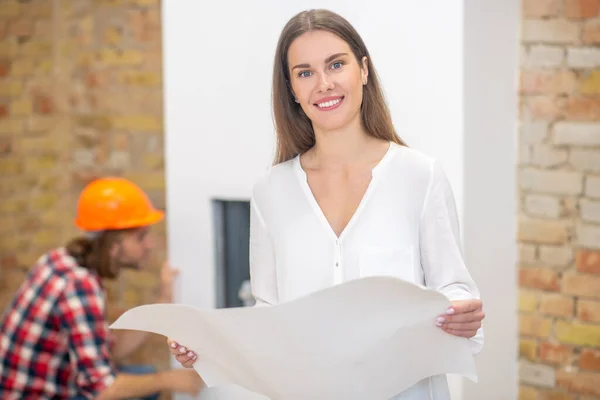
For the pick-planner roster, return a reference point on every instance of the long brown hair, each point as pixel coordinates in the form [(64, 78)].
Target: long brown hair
[(94, 253), (295, 133)]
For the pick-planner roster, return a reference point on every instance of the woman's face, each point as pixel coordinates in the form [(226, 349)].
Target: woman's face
[(326, 79)]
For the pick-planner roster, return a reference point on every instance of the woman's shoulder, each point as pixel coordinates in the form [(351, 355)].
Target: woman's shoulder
[(414, 157), (421, 170), (276, 178), (414, 161)]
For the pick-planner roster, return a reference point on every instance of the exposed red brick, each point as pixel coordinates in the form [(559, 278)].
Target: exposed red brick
[(538, 278), (588, 310), (555, 353), (43, 104), (557, 305), (590, 359), (4, 67), (582, 8), (8, 261), (588, 261), (540, 8), (548, 82), (581, 285), (545, 107), (552, 394), (5, 146), (591, 32), (585, 383), (583, 108)]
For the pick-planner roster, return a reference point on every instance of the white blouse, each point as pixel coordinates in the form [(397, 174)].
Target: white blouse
[(405, 226)]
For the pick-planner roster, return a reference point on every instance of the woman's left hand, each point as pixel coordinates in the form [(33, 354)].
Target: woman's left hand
[(463, 318)]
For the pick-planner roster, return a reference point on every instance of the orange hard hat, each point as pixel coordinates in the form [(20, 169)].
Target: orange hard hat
[(114, 203)]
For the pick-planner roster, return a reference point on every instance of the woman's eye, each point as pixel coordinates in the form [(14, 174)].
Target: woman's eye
[(337, 64), (304, 74)]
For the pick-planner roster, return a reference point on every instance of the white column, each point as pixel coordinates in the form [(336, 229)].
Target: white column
[(490, 188)]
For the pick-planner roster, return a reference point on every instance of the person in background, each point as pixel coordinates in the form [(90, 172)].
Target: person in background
[(54, 337), (346, 197)]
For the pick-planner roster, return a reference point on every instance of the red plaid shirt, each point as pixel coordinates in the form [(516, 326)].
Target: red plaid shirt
[(54, 338)]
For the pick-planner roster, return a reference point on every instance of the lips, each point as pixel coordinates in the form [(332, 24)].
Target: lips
[(328, 103)]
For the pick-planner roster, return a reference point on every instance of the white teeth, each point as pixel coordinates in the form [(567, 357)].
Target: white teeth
[(329, 103)]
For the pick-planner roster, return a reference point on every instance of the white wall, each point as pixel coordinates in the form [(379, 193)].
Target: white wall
[(219, 135)]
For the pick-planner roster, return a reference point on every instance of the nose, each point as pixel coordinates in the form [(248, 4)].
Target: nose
[(325, 82)]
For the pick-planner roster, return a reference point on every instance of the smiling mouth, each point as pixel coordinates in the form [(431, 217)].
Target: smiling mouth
[(330, 104)]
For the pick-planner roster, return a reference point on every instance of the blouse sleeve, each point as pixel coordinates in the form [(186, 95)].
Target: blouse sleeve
[(263, 276), (441, 255)]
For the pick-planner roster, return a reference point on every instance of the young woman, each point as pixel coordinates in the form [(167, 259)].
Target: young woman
[(54, 338), (346, 197)]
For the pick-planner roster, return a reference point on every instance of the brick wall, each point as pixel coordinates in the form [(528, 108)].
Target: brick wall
[(559, 219), (80, 96)]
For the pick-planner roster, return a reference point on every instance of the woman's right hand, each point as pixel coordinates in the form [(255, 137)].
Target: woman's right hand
[(185, 357)]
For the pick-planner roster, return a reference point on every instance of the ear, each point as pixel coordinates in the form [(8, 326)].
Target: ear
[(289, 86), (294, 96), (364, 70), (114, 249)]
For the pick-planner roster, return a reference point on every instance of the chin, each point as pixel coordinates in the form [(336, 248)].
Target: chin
[(333, 124), (334, 121)]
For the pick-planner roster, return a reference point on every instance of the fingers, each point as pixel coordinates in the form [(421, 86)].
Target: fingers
[(182, 351), (172, 347), (465, 306), (463, 318), (166, 266), (187, 360), (182, 354), (462, 326), (465, 329), (463, 311), (461, 333), (477, 315)]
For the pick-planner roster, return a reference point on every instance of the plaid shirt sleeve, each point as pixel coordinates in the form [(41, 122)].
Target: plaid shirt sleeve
[(82, 312)]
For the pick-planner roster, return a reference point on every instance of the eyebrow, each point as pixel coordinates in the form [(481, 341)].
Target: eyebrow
[(327, 60)]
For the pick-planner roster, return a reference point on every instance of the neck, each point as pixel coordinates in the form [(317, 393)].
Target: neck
[(342, 146)]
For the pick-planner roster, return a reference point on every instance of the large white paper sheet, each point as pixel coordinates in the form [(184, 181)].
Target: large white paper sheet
[(369, 338)]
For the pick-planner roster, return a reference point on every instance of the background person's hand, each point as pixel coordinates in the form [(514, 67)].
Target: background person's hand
[(167, 278), (185, 381), (185, 357), (463, 318)]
